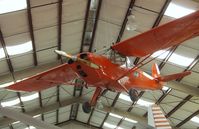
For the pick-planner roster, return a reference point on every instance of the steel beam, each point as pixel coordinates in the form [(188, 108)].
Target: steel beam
[(187, 119), (142, 120), (95, 24), (6, 54), (59, 25), (157, 21), (52, 107), (161, 14), (196, 60), (112, 105), (91, 114), (30, 25), (26, 119), (128, 12), (178, 106), (130, 108), (85, 25)]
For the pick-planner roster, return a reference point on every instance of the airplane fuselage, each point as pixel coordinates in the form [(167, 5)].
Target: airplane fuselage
[(105, 74)]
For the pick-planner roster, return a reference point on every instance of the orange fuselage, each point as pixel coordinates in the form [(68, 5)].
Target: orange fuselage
[(108, 73)]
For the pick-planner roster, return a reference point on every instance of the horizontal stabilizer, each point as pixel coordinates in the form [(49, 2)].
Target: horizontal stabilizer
[(173, 76)]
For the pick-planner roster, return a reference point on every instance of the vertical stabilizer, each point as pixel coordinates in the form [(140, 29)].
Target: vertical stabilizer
[(155, 71), (157, 119)]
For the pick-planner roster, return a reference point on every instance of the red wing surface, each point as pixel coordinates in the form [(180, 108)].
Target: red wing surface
[(164, 36), (44, 80)]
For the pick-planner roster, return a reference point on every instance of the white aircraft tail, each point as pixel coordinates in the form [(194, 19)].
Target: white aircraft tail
[(157, 119)]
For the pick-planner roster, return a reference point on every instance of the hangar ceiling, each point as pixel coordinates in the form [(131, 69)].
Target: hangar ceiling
[(29, 36)]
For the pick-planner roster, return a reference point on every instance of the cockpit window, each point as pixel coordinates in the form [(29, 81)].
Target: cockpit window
[(135, 74), (92, 65)]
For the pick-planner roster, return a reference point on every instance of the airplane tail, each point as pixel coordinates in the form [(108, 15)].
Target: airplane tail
[(156, 74), (157, 119)]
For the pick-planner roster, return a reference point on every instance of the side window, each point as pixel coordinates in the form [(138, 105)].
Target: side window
[(135, 74)]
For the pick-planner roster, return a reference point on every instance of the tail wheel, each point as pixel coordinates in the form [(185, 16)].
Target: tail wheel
[(86, 107), (133, 95)]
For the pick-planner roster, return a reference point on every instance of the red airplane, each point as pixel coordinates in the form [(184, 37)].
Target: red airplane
[(98, 71)]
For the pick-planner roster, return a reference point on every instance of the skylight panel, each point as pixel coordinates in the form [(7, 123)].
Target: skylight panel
[(37, 116), (125, 97), (2, 54), (161, 54), (6, 84), (16, 122), (115, 115), (30, 127), (30, 97), (195, 119), (142, 102), (175, 58), (19, 49), (180, 60), (10, 103), (165, 88), (177, 11), (12, 5), (130, 120), (111, 126)]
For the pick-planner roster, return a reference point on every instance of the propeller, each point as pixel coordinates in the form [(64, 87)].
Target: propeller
[(62, 53), (75, 58)]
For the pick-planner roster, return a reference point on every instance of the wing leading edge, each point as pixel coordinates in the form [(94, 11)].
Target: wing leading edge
[(44, 80), (164, 36)]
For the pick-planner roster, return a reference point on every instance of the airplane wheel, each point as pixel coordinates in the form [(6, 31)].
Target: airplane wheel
[(70, 61), (86, 107), (133, 95)]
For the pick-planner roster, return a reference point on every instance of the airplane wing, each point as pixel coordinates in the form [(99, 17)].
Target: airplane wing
[(164, 36), (55, 76)]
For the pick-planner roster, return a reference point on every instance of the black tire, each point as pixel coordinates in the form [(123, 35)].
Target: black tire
[(86, 107), (133, 95), (70, 61)]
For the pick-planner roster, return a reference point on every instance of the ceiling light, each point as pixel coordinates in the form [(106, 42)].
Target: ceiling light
[(12, 5), (195, 119), (19, 49), (10, 103), (177, 11), (29, 97)]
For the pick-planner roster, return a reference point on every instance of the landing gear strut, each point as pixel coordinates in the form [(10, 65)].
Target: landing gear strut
[(133, 95), (86, 107)]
